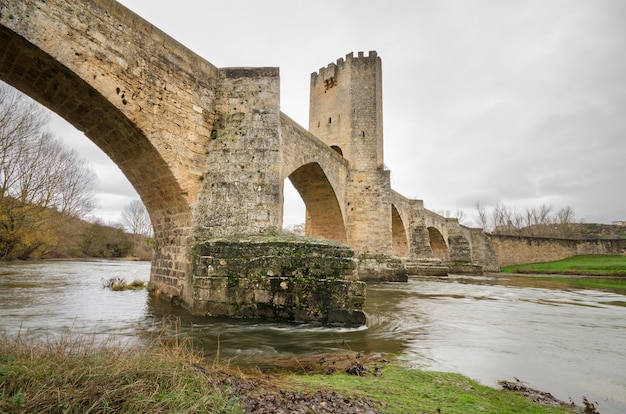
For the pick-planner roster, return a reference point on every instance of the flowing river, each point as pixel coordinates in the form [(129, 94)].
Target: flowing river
[(570, 342)]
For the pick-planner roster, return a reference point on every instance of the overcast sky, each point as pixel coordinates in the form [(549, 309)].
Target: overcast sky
[(490, 101)]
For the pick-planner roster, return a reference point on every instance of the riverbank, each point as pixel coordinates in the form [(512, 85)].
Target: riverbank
[(588, 265), (77, 374), (582, 272)]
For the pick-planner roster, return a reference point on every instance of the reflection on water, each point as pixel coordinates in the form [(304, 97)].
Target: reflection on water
[(566, 341)]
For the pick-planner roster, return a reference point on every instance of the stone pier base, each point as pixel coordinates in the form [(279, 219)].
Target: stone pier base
[(289, 279), (380, 268)]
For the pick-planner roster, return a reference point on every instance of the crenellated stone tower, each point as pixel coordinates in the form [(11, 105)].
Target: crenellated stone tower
[(346, 113), (346, 109)]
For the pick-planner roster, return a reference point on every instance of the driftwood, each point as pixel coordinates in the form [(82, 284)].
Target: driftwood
[(545, 398)]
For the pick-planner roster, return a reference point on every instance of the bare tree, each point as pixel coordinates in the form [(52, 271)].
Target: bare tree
[(534, 222), (482, 216), (38, 176), (565, 219), (503, 219), (135, 218), (458, 214), (461, 216)]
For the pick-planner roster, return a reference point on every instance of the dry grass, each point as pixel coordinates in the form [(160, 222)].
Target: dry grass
[(83, 375), (118, 284)]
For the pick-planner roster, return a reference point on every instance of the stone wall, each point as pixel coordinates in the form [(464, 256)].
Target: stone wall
[(368, 211), (242, 182), (483, 252), (511, 250)]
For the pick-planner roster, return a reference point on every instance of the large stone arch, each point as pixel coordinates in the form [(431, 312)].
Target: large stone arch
[(323, 213), (400, 243), (64, 92), (128, 87)]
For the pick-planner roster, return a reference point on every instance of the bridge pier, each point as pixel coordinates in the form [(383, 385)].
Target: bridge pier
[(238, 266), (271, 277)]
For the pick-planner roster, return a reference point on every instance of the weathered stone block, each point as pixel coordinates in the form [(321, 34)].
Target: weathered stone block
[(381, 268)]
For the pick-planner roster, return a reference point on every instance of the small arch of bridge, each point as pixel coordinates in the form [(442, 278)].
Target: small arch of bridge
[(438, 244), (324, 218), (400, 240)]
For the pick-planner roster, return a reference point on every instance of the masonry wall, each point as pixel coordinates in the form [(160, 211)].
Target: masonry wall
[(242, 182), (511, 250), (483, 252), (369, 220)]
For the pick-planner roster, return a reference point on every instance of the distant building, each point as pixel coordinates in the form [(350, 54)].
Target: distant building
[(619, 223)]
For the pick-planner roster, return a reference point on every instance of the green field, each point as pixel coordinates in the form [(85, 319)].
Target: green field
[(591, 265), (589, 272)]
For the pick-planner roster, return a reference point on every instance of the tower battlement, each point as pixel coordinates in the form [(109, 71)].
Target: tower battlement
[(330, 70)]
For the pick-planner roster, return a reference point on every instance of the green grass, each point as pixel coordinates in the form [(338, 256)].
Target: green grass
[(403, 390), (593, 265), (595, 271)]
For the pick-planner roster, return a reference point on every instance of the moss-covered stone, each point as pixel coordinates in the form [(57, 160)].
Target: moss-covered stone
[(293, 279)]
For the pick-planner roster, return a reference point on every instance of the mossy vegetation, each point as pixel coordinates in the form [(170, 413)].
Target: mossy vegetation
[(581, 272), (616, 285)]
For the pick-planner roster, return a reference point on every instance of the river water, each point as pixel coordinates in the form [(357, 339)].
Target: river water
[(570, 342)]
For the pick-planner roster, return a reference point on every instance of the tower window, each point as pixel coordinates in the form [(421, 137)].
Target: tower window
[(330, 120), (363, 132)]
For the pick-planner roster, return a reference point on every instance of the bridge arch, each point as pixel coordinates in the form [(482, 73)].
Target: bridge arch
[(126, 95), (400, 242), (438, 244), (64, 92), (324, 218)]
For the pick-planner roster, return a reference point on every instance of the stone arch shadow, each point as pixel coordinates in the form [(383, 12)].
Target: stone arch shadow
[(324, 218)]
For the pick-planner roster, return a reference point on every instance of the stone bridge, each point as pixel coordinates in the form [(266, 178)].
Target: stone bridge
[(208, 150)]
